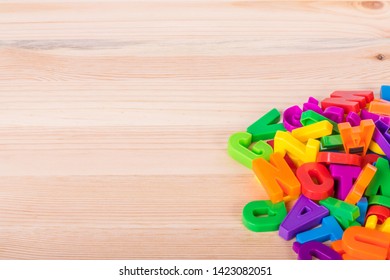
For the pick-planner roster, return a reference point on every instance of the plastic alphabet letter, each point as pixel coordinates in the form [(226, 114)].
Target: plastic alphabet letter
[(291, 117), (304, 215), (353, 119), (332, 142), (372, 222), (380, 108), (357, 139), (374, 147), (381, 212), (277, 178), (350, 101), (311, 117), (335, 114), (238, 149), (366, 243), (363, 205), (385, 92), (365, 115), (316, 181), (339, 158), (330, 230), (382, 136), (379, 200), (266, 127), (369, 158), (337, 246), (315, 130), (345, 213), (361, 184), (315, 249), (263, 215), (380, 184), (297, 151), (344, 176)]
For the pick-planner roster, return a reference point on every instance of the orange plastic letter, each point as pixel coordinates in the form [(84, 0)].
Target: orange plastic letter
[(338, 247), (365, 243), (357, 139), (361, 183), (380, 108), (277, 178)]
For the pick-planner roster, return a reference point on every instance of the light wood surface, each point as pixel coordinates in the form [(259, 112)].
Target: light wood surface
[(114, 117)]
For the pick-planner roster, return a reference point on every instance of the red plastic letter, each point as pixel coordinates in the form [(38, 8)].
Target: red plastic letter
[(316, 181), (350, 101)]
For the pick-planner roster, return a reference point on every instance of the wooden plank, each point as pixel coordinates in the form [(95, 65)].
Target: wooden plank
[(130, 217)]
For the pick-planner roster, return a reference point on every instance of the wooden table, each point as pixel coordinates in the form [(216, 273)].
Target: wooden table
[(115, 117)]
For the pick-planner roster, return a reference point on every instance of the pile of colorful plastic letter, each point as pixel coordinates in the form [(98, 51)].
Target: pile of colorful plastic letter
[(329, 161)]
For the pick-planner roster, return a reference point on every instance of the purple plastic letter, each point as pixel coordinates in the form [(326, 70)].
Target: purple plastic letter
[(304, 215), (315, 249), (292, 118), (382, 136), (344, 176), (334, 113), (353, 119), (365, 115)]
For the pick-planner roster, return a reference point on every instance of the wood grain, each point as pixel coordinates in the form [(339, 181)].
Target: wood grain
[(114, 117)]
